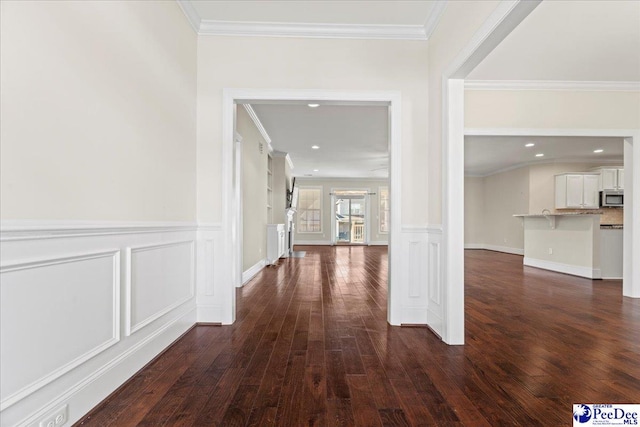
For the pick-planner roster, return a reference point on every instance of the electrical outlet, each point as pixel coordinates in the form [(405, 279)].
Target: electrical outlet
[(56, 418), (550, 251)]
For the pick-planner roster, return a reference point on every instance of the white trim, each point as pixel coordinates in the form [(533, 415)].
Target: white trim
[(495, 248), (378, 243), (68, 394), (574, 270), (258, 123), (606, 86), (253, 270), (115, 327), (433, 19), (308, 30), (391, 98), (415, 229), (192, 15), (616, 133), (313, 243), (12, 230), (303, 179), (130, 328)]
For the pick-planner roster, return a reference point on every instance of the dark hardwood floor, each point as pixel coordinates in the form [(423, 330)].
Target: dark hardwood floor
[(311, 346)]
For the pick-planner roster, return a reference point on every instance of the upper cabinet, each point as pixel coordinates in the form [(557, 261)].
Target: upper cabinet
[(611, 178), (577, 191)]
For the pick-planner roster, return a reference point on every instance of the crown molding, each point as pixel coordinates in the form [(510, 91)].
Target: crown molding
[(541, 162), (258, 124), (552, 85), (192, 15), (325, 31), (434, 18), (286, 157)]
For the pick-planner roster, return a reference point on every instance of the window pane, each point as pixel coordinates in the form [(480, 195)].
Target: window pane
[(384, 210), (310, 210)]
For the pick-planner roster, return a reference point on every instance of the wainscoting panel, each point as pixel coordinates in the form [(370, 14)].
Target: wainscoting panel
[(414, 295), (70, 293), (50, 300), (435, 313), (212, 286), (160, 278)]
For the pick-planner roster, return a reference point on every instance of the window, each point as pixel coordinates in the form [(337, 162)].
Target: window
[(310, 210), (384, 209)]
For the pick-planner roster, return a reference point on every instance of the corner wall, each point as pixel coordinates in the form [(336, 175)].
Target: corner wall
[(98, 185)]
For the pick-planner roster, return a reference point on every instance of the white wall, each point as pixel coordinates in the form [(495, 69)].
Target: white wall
[(551, 109), (98, 111), (292, 63), (491, 202), (254, 190), (98, 143), (328, 212), (474, 211)]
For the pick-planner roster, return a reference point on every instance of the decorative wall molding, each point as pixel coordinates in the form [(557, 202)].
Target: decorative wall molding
[(130, 283), (253, 270), (574, 270), (258, 123), (435, 283), (329, 31), (45, 261), (114, 257), (602, 86), (324, 31), (29, 230)]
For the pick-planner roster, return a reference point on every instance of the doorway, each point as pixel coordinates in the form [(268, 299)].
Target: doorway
[(351, 217)]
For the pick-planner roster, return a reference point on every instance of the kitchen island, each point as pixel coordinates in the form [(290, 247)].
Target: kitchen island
[(564, 242)]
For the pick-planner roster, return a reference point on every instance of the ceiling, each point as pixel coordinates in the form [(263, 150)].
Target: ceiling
[(353, 139), (570, 41), (486, 155)]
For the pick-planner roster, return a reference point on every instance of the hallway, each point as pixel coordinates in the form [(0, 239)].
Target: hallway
[(311, 346)]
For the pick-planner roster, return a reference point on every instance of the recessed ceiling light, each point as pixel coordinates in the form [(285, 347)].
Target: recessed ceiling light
[(530, 144), (540, 155), (599, 150), (316, 170), (312, 105), (315, 147)]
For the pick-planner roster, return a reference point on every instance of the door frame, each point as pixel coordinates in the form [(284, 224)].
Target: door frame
[(229, 235)]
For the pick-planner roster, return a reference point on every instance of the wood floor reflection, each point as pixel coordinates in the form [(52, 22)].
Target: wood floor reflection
[(311, 346)]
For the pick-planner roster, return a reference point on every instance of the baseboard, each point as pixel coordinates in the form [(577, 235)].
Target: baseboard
[(504, 249), (253, 270), (312, 243), (574, 270), (379, 243)]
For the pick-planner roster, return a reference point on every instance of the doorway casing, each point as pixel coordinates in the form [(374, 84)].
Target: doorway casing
[(231, 197)]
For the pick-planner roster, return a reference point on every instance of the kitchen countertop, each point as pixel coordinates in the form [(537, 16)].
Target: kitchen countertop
[(560, 214)]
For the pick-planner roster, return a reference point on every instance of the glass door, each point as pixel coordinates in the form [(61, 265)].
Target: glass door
[(350, 215)]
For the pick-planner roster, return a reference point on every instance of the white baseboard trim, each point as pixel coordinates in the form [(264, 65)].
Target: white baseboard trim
[(574, 270), (505, 249), (379, 243), (612, 278), (119, 369), (253, 270), (312, 243), (414, 315)]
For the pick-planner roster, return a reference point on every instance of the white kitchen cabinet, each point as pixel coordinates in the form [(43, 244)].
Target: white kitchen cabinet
[(276, 242), (611, 178), (577, 191)]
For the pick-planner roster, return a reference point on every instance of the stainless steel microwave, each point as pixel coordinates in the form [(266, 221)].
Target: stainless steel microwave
[(611, 198)]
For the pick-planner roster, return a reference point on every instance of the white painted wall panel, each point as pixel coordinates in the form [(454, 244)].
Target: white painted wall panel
[(56, 314), (161, 278)]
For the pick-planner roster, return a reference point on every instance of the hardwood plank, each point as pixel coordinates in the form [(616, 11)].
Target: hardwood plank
[(311, 346)]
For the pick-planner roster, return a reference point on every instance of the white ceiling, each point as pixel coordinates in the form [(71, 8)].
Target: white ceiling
[(353, 139), (486, 155), (317, 12), (570, 41)]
